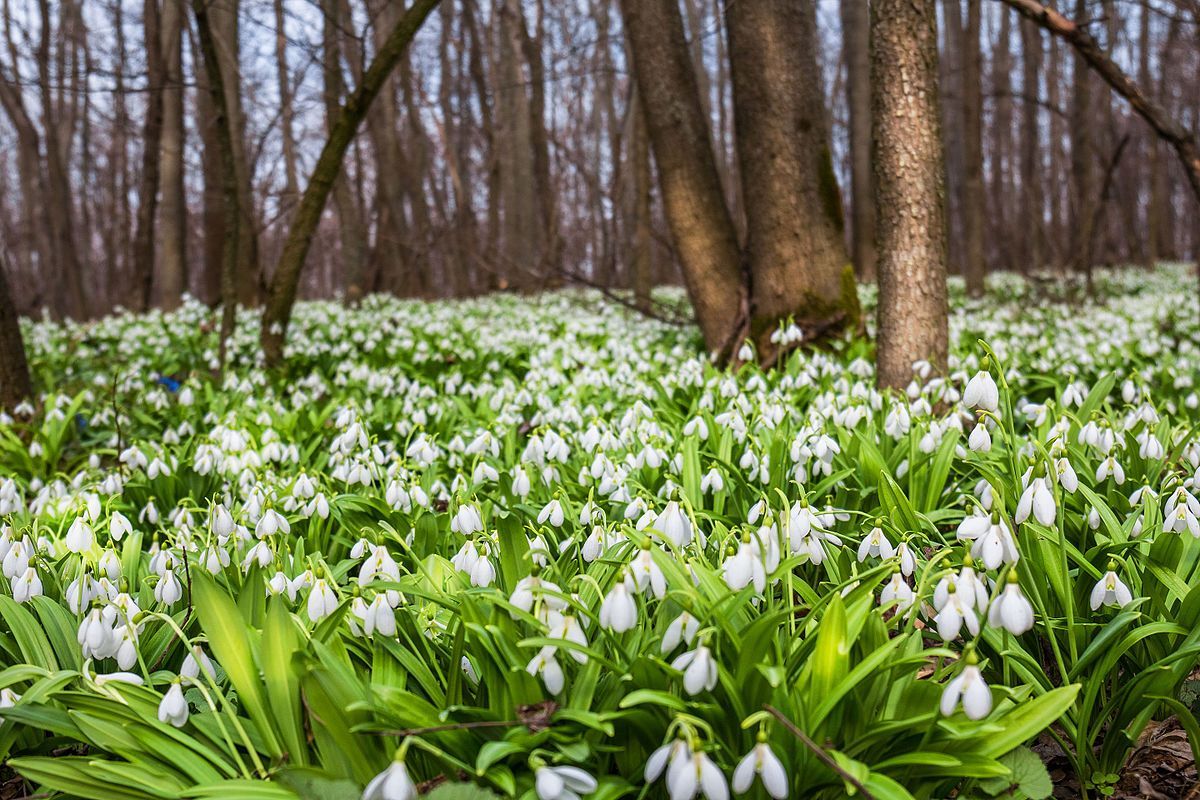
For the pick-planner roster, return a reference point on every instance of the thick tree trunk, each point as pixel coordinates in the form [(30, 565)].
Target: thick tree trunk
[(910, 197), (856, 33), (282, 295), (972, 126), (701, 228), (170, 274), (521, 241), (954, 137), (794, 248), (15, 384)]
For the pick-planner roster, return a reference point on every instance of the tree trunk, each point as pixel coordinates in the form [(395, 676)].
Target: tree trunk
[(226, 38), (701, 228), (223, 127), (641, 257), (954, 137), (910, 199), (856, 35), (972, 126), (147, 215), (1031, 199), (15, 384), (170, 274), (794, 248), (350, 227), (282, 295)]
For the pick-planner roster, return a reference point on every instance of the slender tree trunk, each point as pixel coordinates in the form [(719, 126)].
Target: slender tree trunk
[(147, 216), (286, 279), (954, 137), (287, 111), (223, 127), (910, 194), (1032, 226), (170, 274), (973, 263), (641, 256), (350, 227), (15, 384), (701, 228), (226, 32), (857, 38), (794, 249)]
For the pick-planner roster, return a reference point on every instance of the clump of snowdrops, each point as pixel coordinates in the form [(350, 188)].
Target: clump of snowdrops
[(543, 547)]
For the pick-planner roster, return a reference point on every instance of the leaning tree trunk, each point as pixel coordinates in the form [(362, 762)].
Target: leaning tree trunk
[(15, 384), (910, 189), (794, 247), (702, 231), (282, 294)]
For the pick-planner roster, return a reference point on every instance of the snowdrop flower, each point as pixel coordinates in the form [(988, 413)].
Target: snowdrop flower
[(696, 776), (26, 586), (322, 600), (674, 525), (466, 520), (956, 611), (1110, 467), (173, 708), (647, 574), (379, 616), (682, 629), (196, 661), (532, 588), (699, 670), (618, 612), (118, 526), (552, 513), (545, 665), (675, 753), (1011, 610), (763, 762), (562, 783), (981, 392), (969, 688), (8, 699), (898, 591), (980, 441), (80, 536), (569, 630), (1039, 500), (876, 545), (393, 783), (168, 590), (1110, 590), (1065, 474), (744, 567)]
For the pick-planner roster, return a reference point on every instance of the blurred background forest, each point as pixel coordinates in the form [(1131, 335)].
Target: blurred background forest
[(509, 151)]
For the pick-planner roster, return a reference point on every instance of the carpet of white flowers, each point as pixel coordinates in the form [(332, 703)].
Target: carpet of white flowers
[(540, 547)]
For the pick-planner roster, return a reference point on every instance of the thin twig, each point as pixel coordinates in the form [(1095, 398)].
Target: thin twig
[(453, 726), (818, 751)]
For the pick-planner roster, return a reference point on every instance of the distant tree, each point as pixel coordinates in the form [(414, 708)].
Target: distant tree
[(856, 35), (909, 190), (282, 294), (15, 384)]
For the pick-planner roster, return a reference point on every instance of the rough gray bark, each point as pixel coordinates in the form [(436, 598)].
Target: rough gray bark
[(910, 190)]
